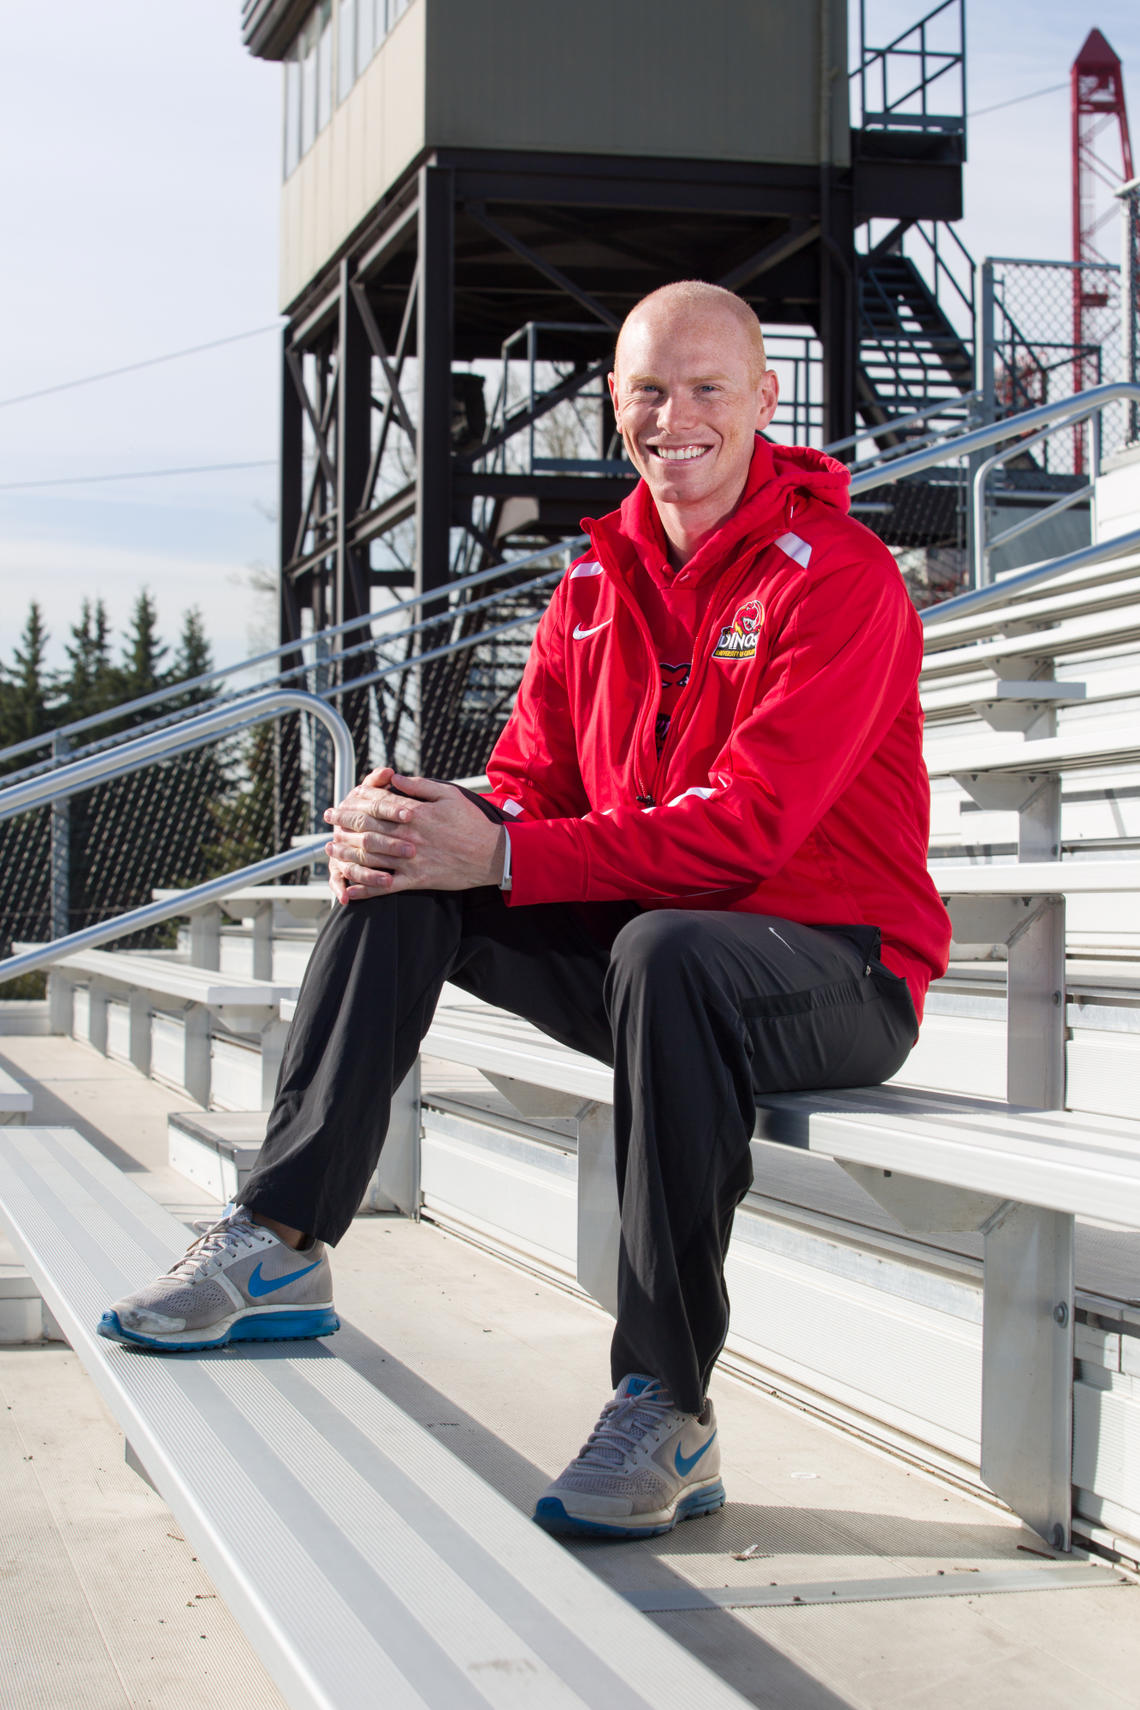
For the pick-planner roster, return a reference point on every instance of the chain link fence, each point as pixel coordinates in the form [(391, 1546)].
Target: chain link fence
[(1130, 291), (424, 694), (923, 521), (1056, 330), (105, 850)]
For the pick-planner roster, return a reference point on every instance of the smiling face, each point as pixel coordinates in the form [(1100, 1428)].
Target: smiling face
[(689, 394)]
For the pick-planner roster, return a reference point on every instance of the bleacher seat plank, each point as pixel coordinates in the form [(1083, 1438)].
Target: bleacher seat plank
[(1074, 635), (305, 903), (1103, 595), (367, 1564), (178, 980), (1096, 745), (1086, 1166), (15, 1100), (1060, 1160), (1034, 878)]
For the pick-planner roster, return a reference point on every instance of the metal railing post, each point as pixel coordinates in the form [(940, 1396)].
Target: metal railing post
[(99, 768), (60, 851), (322, 785), (1129, 195), (985, 386)]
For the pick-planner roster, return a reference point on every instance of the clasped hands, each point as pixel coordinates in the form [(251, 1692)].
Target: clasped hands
[(430, 837)]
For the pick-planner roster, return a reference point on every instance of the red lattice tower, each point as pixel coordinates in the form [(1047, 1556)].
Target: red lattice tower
[(1097, 100)]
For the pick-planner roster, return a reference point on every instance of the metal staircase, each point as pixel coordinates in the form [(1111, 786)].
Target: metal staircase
[(911, 356), (914, 283)]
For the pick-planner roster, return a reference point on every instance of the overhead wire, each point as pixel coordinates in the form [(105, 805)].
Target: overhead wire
[(137, 474), (979, 112), (133, 367)]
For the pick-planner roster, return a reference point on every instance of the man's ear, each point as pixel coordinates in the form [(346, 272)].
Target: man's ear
[(769, 397), (611, 382)]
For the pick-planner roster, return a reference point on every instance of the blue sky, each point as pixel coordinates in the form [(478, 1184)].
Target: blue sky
[(139, 176)]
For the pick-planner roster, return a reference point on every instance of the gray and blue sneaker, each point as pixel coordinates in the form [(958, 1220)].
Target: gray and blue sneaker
[(236, 1283), (644, 1466)]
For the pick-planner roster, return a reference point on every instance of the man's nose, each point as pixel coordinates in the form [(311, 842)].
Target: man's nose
[(675, 412)]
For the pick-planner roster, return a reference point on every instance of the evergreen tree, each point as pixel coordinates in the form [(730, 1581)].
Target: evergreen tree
[(193, 658), (25, 708), (242, 813), (89, 686), (141, 670)]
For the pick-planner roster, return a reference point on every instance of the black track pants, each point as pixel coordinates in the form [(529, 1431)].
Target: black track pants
[(696, 1011)]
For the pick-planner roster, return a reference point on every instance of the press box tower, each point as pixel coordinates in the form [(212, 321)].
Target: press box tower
[(467, 176)]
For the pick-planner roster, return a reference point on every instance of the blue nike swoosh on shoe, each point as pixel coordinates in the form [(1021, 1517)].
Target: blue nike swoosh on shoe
[(685, 1463), (259, 1285)]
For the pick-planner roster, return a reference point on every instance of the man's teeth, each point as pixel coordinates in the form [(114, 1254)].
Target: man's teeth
[(679, 453)]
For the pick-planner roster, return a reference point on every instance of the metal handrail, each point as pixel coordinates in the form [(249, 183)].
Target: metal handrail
[(877, 59), (81, 773), (994, 593), (978, 438), (984, 547), (863, 480), (152, 914), (933, 407), (1033, 424), (163, 744), (126, 709), (351, 685)]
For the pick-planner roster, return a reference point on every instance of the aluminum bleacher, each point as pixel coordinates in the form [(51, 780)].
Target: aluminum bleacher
[(949, 1265)]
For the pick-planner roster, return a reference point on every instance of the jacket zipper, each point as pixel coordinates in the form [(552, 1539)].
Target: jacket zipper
[(700, 655), (643, 797)]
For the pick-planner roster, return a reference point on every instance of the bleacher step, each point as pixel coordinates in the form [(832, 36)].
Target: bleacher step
[(215, 1149), (24, 1016), (23, 1316), (366, 1562)]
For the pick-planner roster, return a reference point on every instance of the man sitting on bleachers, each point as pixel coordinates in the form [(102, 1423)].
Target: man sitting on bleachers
[(702, 859)]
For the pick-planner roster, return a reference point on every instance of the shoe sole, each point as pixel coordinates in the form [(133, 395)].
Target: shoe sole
[(265, 1327), (551, 1515)]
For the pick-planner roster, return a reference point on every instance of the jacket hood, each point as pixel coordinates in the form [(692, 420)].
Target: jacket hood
[(780, 479)]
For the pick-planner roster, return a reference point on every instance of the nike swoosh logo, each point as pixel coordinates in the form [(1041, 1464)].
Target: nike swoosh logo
[(259, 1285), (685, 1463), (580, 634)]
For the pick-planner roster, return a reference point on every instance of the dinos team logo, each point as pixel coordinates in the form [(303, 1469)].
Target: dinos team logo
[(738, 639)]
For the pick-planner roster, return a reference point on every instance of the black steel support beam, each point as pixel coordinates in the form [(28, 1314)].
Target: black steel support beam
[(434, 328), (353, 426), (544, 403), (395, 509), (799, 235), (290, 483), (353, 430), (435, 321), (287, 735), (837, 309), (479, 214)]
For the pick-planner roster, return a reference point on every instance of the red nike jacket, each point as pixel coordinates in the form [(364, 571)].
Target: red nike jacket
[(791, 781)]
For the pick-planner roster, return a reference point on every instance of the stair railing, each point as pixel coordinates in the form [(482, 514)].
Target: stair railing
[(209, 680), (1065, 411), (912, 55), (162, 745)]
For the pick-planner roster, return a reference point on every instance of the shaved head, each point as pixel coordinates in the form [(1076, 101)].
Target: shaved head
[(695, 299), (691, 389)]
